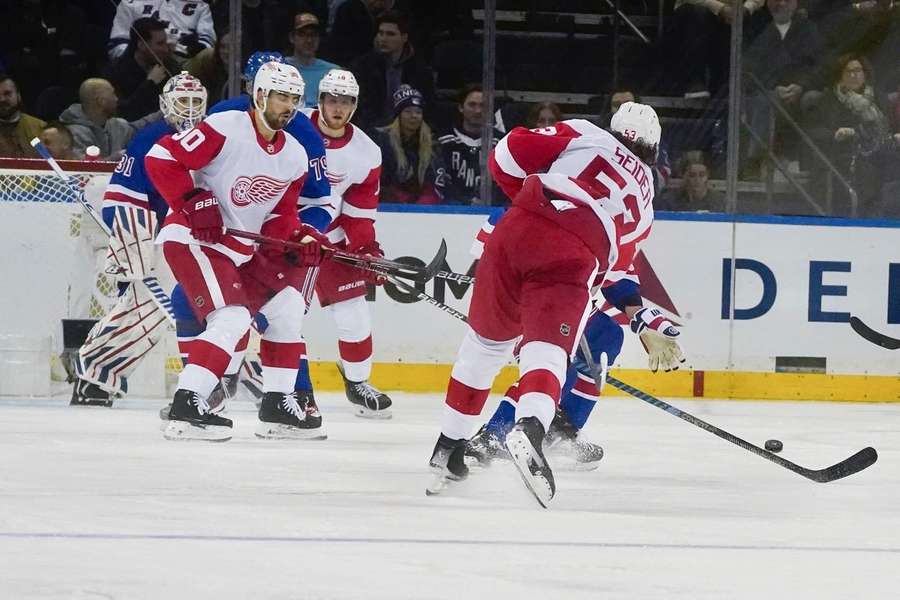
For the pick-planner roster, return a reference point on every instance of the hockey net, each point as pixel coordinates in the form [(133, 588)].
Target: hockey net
[(56, 255)]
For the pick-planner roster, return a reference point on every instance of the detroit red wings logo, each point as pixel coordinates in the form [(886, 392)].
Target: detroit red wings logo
[(256, 190)]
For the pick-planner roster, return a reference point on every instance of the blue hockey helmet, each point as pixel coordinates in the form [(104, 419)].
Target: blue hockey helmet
[(256, 60)]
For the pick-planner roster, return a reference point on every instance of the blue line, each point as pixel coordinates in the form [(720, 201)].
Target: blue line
[(438, 209), (439, 542)]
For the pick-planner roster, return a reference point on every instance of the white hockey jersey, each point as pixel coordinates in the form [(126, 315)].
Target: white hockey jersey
[(184, 17), (611, 173), (256, 182), (354, 172)]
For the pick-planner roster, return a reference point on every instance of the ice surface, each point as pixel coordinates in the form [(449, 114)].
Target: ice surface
[(95, 504)]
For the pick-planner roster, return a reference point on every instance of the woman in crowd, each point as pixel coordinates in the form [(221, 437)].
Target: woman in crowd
[(850, 122), (411, 171)]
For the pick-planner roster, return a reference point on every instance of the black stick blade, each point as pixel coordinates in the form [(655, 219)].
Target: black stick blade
[(873, 336), (861, 460)]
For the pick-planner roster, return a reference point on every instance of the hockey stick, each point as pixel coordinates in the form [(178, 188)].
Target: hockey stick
[(159, 296), (859, 461), (879, 339), (426, 298), (370, 263), (854, 464)]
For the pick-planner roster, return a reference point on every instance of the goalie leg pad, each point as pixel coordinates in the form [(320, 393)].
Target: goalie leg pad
[(118, 342)]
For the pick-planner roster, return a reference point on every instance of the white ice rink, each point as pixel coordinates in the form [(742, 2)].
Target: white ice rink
[(94, 504)]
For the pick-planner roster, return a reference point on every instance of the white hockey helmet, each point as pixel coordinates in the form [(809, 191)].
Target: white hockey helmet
[(183, 101), (339, 82), (637, 123), (277, 77)]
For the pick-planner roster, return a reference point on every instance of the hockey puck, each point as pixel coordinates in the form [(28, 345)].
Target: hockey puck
[(774, 445)]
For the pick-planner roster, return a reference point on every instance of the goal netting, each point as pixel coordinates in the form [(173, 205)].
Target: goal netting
[(53, 256)]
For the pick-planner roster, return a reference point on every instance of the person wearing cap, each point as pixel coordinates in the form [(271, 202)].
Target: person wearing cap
[(412, 172), (305, 38)]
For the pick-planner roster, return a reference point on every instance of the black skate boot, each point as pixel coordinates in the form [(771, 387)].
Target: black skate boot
[(525, 445), (285, 416), (565, 441), (190, 419), (224, 390), (90, 394), (448, 464), (485, 447), (368, 402)]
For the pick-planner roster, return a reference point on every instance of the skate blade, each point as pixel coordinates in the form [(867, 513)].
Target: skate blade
[(184, 431), (367, 413), (520, 449), (280, 431), (440, 482)]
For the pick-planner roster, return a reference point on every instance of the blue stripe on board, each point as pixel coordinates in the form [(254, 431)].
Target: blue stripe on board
[(438, 542), (663, 216)]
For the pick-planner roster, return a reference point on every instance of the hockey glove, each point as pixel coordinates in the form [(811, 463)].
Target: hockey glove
[(201, 209), (372, 249), (313, 249), (660, 339)]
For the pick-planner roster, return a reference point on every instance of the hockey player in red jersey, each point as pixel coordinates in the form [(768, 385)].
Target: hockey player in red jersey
[(354, 171), (581, 202), (238, 169)]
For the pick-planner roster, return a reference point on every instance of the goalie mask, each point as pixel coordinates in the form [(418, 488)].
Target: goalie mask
[(637, 124), (279, 78), (183, 101), (339, 82)]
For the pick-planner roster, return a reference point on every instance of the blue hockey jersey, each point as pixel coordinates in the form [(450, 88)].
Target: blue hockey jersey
[(129, 186)]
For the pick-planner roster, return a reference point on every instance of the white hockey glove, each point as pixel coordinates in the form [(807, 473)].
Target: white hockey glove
[(131, 254), (660, 339)]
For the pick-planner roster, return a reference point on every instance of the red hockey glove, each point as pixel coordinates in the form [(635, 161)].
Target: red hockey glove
[(371, 249), (312, 251), (203, 216)]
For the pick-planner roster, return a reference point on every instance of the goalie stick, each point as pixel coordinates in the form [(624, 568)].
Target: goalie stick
[(879, 339), (160, 298), (370, 263), (854, 464)]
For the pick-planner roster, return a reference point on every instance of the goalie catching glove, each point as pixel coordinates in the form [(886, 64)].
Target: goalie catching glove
[(660, 339)]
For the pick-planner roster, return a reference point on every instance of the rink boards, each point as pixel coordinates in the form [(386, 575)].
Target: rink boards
[(796, 282)]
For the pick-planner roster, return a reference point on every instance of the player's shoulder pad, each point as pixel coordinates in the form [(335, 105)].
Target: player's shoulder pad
[(302, 130), (241, 102), (584, 127), (367, 146), (148, 135)]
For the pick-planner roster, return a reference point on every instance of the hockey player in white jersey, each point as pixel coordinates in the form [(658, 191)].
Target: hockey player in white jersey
[(238, 169), (582, 203), (133, 210), (354, 171)]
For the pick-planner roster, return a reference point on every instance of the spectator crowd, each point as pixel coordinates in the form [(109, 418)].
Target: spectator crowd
[(820, 75)]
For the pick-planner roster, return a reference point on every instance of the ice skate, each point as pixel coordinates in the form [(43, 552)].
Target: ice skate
[(90, 394), (524, 443), (293, 416), (485, 447), (368, 402), (190, 419), (447, 463), (224, 390), (564, 441)]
